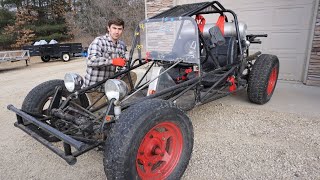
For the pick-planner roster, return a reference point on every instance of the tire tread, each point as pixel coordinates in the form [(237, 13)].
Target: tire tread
[(259, 77), (122, 132)]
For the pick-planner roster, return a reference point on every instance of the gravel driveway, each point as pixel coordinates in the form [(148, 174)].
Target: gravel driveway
[(232, 141)]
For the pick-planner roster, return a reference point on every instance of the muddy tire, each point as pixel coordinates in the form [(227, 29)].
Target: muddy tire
[(263, 78), (150, 137), (37, 101)]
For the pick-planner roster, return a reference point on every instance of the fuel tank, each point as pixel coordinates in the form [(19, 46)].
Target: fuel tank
[(229, 30)]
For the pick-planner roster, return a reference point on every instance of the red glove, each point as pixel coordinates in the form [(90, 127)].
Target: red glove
[(119, 62)]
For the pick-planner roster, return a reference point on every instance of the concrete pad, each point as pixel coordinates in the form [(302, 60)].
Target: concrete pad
[(291, 97)]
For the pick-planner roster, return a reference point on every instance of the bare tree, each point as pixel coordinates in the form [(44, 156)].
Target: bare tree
[(91, 16)]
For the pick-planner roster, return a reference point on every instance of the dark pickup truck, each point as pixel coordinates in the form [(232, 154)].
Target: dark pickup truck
[(55, 51)]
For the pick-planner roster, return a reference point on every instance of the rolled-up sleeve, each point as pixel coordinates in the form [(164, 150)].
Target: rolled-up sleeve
[(95, 56)]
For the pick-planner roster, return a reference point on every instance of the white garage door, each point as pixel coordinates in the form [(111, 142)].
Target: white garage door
[(288, 24)]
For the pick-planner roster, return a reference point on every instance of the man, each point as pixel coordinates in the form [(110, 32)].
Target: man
[(104, 54)]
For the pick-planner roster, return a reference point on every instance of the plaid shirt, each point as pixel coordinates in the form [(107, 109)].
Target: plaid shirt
[(99, 61)]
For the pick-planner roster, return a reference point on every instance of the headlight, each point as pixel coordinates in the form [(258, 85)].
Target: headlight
[(115, 89), (73, 81)]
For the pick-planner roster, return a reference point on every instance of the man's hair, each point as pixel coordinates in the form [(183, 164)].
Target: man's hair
[(117, 21)]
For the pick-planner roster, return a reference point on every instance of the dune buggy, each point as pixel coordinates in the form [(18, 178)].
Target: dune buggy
[(181, 62)]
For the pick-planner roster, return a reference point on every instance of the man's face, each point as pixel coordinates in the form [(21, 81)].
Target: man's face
[(115, 31)]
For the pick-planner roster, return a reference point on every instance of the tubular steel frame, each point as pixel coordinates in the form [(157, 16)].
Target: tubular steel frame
[(202, 94)]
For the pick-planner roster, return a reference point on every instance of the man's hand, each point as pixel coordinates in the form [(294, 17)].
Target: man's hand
[(119, 62)]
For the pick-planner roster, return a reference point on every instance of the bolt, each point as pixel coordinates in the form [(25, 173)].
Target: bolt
[(141, 153), (149, 164), (161, 154), (164, 138), (151, 136)]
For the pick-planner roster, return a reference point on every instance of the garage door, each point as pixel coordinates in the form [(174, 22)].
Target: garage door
[(288, 24)]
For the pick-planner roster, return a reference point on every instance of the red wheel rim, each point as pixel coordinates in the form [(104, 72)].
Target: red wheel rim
[(159, 151), (272, 80)]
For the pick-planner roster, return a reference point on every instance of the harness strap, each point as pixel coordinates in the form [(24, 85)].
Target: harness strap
[(220, 23), (201, 21)]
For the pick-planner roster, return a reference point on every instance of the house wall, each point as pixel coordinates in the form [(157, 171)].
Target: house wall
[(154, 7), (313, 75)]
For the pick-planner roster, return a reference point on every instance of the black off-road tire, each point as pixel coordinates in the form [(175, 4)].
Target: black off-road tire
[(36, 99), (45, 58), (132, 129), (260, 77)]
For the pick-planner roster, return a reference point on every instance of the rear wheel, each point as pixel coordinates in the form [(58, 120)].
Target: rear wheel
[(37, 102), (263, 78), (65, 57), (151, 140)]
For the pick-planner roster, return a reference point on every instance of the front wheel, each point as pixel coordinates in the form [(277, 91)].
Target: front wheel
[(45, 58), (37, 103), (151, 140), (263, 78), (65, 57)]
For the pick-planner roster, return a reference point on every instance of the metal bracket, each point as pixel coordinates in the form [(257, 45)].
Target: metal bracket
[(56, 99)]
